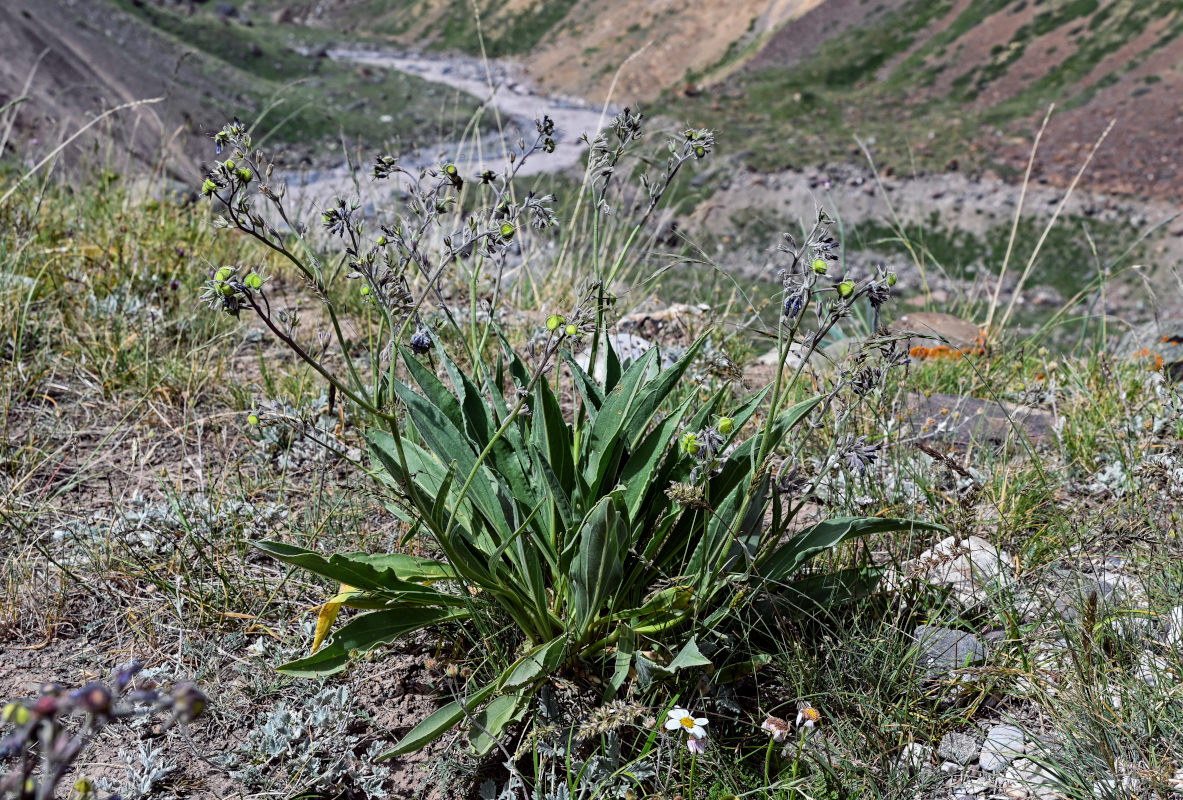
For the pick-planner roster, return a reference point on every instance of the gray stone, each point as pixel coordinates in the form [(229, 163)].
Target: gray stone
[(1004, 743), (1160, 339), (943, 650), (958, 748), (965, 421)]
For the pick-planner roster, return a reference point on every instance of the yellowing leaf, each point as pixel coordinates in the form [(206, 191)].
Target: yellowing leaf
[(328, 615)]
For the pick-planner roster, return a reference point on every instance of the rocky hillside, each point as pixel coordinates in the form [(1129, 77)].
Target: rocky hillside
[(66, 62), (932, 83)]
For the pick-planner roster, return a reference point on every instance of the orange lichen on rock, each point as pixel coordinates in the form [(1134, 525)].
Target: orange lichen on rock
[(944, 351), (1156, 361)]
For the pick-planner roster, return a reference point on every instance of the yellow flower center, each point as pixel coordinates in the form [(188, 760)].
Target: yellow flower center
[(687, 722), (812, 714)]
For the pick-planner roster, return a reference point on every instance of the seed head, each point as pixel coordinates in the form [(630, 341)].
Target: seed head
[(690, 444), (725, 426), (553, 322), (845, 289), (820, 266), (507, 230)]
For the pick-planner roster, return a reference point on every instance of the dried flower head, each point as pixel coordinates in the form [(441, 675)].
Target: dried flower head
[(777, 728)]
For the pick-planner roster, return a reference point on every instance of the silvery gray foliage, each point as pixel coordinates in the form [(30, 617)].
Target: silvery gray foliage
[(313, 746), (568, 776), (145, 768), (149, 526)]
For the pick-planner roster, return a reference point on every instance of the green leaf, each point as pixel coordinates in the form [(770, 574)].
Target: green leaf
[(656, 391), (787, 559), (538, 663), (626, 647), (449, 444), (689, 656), (366, 632), (637, 475), (439, 723), (493, 719), (589, 390), (602, 446), (385, 573), (596, 569)]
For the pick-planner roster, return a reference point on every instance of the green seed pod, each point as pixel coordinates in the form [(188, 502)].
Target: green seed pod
[(209, 187), (891, 279), (571, 329), (223, 275), (553, 322), (820, 266), (252, 419), (229, 164), (450, 169), (846, 288), (726, 425), (254, 280), (244, 175), (690, 444), (365, 290), (381, 241), (225, 289), (700, 151), (507, 231)]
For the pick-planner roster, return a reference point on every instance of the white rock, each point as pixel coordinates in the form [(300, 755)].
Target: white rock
[(1152, 669), (1032, 778), (1112, 788), (1173, 627), (1004, 743), (915, 757), (967, 566)]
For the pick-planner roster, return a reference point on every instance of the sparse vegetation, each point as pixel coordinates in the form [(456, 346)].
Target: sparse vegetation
[(424, 515)]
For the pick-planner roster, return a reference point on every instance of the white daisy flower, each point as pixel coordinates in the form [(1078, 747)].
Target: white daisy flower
[(808, 717), (681, 718)]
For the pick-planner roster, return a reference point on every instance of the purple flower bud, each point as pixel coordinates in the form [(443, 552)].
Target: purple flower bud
[(124, 675), (94, 698)]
